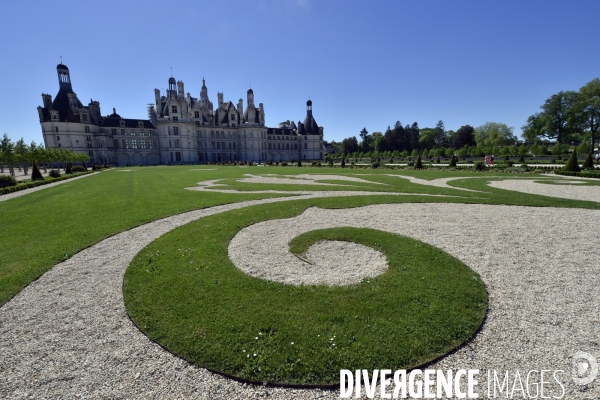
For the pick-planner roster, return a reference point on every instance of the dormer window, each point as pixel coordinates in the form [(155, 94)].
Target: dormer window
[(122, 124), (196, 114), (174, 109), (140, 124), (175, 118), (84, 116)]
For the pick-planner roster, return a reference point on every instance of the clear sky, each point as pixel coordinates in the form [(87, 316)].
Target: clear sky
[(363, 63)]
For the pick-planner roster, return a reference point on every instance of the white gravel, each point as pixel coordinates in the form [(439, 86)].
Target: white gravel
[(68, 335), (301, 179), (563, 189), (332, 263)]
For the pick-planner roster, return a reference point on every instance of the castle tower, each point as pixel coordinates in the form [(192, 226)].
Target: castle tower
[(172, 87), (180, 92), (250, 95), (64, 78), (220, 97)]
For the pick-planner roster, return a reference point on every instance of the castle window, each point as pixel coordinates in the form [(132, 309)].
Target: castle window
[(84, 117), (143, 144), (212, 145), (305, 146), (151, 144), (123, 131), (196, 114), (176, 142), (56, 129), (113, 131), (170, 143), (59, 145), (197, 123), (87, 129), (199, 156), (133, 144), (175, 130), (233, 117), (125, 144), (174, 109), (269, 146), (218, 145), (58, 138), (177, 156), (132, 132), (175, 118), (116, 143), (141, 132), (150, 132)]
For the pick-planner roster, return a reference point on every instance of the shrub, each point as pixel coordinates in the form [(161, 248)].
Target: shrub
[(36, 175), (521, 159), (375, 165), (572, 165), (479, 166), (318, 163), (410, 163), (419, 164), (452, 162), (7, 180), (588, 163), (78, 168), (313, 164), (69, 169), (510, 163), (284, 164), (54, 173)]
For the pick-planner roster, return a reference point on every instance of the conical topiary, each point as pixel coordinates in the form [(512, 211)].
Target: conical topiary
[(572, 164), (419, 164), (299, 162), (521, 159), (437, 161), (343, 162), (452, 162), (506, 158), (69, 169), (36, 175), (588, 163)]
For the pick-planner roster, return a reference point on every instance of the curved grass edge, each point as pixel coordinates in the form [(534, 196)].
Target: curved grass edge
[(284, 213)]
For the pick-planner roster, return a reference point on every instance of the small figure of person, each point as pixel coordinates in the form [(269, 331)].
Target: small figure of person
[(486, 160), (492, 160), (597, 157)]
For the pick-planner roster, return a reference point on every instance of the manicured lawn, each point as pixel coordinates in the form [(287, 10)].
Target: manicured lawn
[(183, 292)]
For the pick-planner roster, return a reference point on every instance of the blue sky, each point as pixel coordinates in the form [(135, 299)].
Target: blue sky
[(363, 64)]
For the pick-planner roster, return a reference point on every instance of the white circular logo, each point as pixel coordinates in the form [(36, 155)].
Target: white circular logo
[(585, 368)]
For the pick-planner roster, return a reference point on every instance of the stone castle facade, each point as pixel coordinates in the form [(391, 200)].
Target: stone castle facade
[(179, 129)]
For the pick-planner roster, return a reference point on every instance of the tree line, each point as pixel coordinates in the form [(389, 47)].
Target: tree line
[(567, 118), (21, 154)]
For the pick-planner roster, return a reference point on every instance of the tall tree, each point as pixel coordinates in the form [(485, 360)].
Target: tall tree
[(589, 108), (465, 136), (349, 145), (557, 120), (365, 143), (493, 134), (7, 150)]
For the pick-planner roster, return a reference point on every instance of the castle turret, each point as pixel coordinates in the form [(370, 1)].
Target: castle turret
[(172, 87), (240, 107), (180, 92), (47, 100), (157, 98), (220, 97), (250, 95), (64, 78)]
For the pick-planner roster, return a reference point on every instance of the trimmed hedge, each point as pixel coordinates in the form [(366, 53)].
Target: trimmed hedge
[(7, 181), (583, 174), (30, 185)]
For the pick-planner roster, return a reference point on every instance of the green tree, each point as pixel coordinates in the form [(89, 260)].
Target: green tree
[(557, 120), (493, 134), (22, 155), (589, 108), (465, 136), (350, 145), (366, 140)]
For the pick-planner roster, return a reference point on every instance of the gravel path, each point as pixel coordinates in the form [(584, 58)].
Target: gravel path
[(20, 193), (564, 190), (68, 335)]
